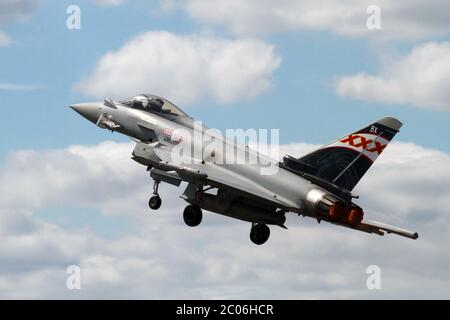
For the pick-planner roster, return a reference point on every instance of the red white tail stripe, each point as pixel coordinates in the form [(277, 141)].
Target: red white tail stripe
[(369, 144)]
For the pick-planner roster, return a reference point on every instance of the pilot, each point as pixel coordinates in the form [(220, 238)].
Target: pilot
[(156, 104), (140, 102)]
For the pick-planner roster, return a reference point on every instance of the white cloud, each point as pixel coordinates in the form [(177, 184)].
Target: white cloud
[(184, 68), (419, 78), (5, 40), (400, 19), (17, 10), (12, 11), (108, 3), (161, 258), (17, 87)]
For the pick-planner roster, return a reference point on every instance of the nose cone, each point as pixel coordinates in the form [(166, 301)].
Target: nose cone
[(90, 111)]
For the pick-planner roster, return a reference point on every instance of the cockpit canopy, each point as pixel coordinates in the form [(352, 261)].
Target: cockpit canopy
[(154, 104)]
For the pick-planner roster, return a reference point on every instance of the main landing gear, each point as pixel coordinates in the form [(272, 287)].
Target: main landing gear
[(155, 201), (259, 233), (192, 215)]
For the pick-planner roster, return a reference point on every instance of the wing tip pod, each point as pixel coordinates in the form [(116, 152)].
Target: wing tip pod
[(382, 228), (410, 235)]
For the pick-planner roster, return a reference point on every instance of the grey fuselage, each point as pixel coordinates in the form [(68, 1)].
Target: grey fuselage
[(229, 178), (209, 149)]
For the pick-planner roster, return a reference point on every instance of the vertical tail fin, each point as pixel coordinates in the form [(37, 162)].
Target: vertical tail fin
[(345, 161)]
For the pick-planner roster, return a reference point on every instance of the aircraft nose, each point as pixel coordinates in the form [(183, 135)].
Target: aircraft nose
[(89, 111)]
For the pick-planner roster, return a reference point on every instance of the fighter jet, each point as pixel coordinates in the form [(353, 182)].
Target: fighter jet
[(220, 179)]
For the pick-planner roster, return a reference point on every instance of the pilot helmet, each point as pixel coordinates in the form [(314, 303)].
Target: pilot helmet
[(141, 101)]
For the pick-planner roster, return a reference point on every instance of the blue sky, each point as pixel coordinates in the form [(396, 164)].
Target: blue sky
[(70, 194), (301, 102)]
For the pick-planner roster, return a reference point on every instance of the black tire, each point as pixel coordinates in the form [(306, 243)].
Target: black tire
[(259, 234), (154, 202), (192, 215)]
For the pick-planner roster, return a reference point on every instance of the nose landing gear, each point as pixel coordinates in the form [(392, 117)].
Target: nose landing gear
[(155, 201)]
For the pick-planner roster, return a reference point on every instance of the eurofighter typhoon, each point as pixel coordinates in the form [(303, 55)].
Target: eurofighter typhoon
[(221, 177)]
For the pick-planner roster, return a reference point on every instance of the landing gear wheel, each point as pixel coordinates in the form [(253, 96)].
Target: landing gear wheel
[(154, 202), (192, 215), (259, 233)]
